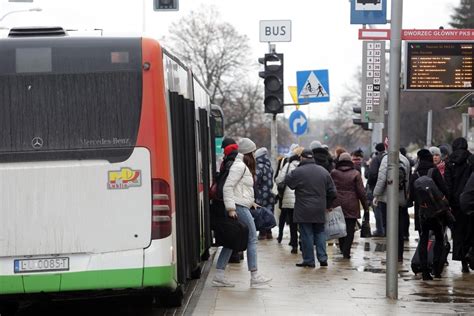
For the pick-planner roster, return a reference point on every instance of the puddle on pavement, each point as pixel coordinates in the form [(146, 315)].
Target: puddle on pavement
[(380, 247), (375, 270), (451, 297), (367, 246)]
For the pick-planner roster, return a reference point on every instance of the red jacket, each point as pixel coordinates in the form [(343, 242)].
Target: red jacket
[(350, 189)]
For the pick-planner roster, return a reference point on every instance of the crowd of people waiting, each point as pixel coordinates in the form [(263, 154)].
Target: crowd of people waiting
[(312, 182)]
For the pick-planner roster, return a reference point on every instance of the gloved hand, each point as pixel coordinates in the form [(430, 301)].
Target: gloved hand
[(232, 213)]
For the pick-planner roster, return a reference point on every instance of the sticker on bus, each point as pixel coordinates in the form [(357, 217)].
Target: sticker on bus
[(124, 178)]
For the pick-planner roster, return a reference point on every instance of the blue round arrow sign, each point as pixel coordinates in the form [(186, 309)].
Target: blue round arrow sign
[(298, 122)]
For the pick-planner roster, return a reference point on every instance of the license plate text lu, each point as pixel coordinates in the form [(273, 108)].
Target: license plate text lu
[(41, 265)]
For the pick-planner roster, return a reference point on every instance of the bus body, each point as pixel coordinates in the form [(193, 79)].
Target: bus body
[(105, 165)]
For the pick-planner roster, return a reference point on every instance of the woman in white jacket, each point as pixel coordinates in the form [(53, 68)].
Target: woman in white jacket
[(238, 194), (288, 202)]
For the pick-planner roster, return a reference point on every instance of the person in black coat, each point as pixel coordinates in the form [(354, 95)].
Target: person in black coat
[(315, 192), (424, 225), (458, 170), (467, 207)]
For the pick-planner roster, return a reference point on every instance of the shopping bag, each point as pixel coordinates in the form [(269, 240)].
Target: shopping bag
[(264, 218), (231, 233), (335, 226), (365, 231)]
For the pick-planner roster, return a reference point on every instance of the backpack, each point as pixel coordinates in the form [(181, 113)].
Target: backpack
[(402, 175), (431, 200)]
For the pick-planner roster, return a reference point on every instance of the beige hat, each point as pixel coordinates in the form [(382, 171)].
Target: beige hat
[(345, 157)]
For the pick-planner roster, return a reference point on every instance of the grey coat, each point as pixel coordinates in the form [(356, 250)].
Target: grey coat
[(314, 192)]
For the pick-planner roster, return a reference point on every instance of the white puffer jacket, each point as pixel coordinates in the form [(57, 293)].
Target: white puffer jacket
[(289, 195), (238, 187)]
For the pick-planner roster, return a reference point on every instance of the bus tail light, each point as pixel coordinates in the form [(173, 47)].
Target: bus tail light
[(161, 209)]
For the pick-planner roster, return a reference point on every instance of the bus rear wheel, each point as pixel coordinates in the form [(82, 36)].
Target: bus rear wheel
[(172, 298)]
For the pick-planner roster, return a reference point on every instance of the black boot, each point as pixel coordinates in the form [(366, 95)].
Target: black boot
[(426, 276), (465, 267)]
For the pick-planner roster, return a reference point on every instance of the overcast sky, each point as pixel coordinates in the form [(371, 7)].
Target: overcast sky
[(322, 36)]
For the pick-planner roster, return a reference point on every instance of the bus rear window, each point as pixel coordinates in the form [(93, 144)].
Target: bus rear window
[(69, 101)]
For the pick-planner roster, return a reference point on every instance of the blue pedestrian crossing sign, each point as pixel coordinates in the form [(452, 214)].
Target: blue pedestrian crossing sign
[(313, 86), (298, 122)]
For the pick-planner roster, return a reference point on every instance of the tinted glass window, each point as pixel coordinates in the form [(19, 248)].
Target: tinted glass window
[(69, 98)]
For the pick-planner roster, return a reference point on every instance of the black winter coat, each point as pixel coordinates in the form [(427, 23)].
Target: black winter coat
[(314, 191)]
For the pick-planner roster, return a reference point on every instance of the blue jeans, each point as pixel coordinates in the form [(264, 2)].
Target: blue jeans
[(378, 220), (245, 217), (312, 234)]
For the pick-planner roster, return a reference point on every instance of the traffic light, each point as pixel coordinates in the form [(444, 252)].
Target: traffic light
[(358, 121), (273, 75), (166, 5)]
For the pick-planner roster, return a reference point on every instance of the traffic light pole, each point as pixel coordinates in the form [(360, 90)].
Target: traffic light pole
[(393, 149), (273, 141), (273, 128)]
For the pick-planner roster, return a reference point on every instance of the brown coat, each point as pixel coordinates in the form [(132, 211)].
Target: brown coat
[(350, 189)]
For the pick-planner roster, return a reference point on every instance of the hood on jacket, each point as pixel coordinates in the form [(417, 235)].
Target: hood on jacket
[(459, 156), (425, 165), (344, 165)]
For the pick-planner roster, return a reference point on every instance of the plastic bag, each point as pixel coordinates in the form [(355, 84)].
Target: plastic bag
[(335, 224)]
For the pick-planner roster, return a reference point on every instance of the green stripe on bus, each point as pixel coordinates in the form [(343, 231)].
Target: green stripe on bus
[(88, 280), (11, 284)]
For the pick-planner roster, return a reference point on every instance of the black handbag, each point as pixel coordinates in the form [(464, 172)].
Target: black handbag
[(282, 185), (231, 233), (365, 231)]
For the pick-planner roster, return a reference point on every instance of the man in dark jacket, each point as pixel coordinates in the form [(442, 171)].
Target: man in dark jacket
[(372, 175), (458, 170), (314, 192), (424, 225)]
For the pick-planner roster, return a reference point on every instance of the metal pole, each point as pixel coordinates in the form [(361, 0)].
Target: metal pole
[(273, 129), (393, 149), (429, 129), (465, 125), (273, 141), (376, 134)]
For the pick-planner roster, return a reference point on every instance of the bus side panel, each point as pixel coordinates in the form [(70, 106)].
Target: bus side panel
[(153, 132)]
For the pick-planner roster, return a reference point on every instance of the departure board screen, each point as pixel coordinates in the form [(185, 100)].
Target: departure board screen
[(439, 66)]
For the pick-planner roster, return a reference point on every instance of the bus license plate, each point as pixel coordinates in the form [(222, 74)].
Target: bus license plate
[(41, 265)]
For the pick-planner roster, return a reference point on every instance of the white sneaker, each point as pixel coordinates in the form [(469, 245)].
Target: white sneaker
[(221, 282), (259, 280)]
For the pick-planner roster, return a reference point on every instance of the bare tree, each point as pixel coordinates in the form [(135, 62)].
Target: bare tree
[(218, 55)]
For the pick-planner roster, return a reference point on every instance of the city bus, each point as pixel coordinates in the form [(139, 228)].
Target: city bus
[(105, 165)]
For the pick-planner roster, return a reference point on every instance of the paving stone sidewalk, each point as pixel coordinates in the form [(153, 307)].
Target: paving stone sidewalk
[(353, 286)]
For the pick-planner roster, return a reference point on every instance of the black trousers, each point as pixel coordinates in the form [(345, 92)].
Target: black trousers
[(435, 226), (402, 220), (345, 243), (286, 216)]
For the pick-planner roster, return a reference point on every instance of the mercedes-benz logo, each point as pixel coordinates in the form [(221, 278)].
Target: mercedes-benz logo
[(37, 143)]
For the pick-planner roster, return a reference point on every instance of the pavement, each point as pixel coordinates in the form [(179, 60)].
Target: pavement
[(353, 286)]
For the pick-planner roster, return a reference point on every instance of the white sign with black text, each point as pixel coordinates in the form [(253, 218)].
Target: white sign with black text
[(275, 31)]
